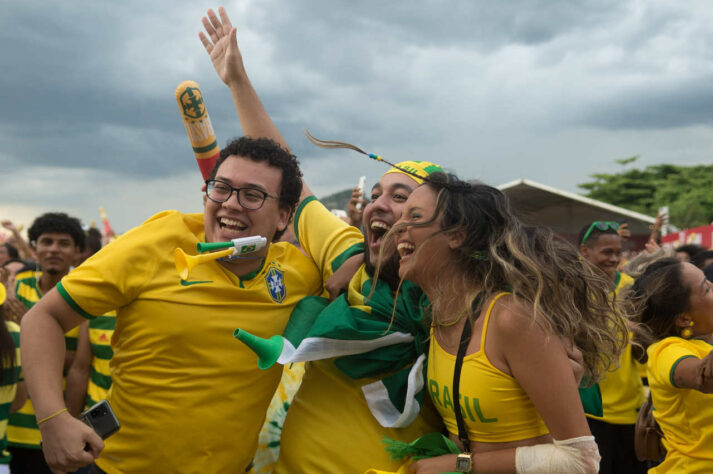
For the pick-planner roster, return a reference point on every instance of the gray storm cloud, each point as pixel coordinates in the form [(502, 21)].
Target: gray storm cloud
[(551, 91)]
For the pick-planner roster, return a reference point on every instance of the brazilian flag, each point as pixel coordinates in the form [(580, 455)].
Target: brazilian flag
[(369, 335)]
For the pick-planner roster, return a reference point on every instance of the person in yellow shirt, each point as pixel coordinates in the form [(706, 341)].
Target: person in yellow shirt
[(12, 389), (57, 240), (622, 389), (89, 377), (173, 355), (330, 411), (188, 396), (503, 298), (675, 306)]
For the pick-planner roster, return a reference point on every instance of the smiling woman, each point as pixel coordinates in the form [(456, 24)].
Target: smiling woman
[(674, 302), (525, 297)]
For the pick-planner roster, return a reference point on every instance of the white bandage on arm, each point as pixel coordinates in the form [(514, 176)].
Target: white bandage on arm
[(569, 456)]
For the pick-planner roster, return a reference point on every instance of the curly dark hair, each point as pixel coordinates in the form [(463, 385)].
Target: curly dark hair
[(265, 150), (60, 223)]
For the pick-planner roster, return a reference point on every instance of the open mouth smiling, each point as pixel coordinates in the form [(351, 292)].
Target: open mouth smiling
[(405, 249), (378, 230), (231, 226)]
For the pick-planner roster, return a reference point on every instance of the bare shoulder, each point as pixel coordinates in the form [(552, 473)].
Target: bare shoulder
[(513, 319)]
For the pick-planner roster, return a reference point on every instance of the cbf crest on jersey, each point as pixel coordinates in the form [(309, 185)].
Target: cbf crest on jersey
[(275, 284)]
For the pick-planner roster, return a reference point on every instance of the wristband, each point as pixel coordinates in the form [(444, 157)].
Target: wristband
[(51, 416)]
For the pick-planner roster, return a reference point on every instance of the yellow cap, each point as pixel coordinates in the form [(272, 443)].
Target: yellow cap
[(418, 168)]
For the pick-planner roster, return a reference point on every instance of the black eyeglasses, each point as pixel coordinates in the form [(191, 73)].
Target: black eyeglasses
[(249, 198)]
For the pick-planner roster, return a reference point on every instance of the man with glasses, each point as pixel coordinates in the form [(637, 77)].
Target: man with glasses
[(188, 396), (622, 389)]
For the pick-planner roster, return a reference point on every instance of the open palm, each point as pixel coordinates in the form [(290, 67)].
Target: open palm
[(222, 46)]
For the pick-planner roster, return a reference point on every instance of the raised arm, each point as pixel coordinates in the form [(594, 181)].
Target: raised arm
[(221, 43), (23, 247)]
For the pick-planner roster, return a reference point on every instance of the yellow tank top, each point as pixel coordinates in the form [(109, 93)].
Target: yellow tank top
[(495, 407)]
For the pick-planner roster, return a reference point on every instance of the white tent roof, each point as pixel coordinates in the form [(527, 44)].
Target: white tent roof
[(565, 212)]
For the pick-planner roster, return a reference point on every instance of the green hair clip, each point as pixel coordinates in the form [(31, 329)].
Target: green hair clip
[(479, 255)]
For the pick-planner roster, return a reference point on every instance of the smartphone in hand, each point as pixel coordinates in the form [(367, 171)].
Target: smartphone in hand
[(101, 419), (362, 181)]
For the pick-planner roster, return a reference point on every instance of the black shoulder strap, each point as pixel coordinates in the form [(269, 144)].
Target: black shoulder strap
[(462, 347)]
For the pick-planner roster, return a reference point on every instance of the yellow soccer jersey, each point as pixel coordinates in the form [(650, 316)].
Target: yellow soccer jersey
[(329, 427), (101, 330), (622, 389), (8, 388), (188, 395), (327, 239), (22, 430), (27, 291), (684, 415)]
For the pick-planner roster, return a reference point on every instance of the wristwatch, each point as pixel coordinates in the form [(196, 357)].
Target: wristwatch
[(464, 463)]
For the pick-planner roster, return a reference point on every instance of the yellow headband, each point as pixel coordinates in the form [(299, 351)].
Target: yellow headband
[(3, 294), (419, 168)]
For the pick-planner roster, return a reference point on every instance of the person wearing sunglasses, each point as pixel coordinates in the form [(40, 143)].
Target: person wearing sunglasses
[(622, 389)]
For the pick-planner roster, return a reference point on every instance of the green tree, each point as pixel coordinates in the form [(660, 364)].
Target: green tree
[(687, 190)]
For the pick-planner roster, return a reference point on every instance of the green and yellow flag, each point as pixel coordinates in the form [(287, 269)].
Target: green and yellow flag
[(364, 341)]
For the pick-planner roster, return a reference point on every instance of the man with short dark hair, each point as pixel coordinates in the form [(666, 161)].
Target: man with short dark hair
[(187, 394), (621, 390), (57, 240)]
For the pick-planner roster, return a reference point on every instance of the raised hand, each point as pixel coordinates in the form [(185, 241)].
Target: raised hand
[(624, 231), (10, 226), (222, 46), (651, 246), (355, 207)]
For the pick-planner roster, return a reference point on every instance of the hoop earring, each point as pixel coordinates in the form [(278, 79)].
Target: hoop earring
[(687, 333)]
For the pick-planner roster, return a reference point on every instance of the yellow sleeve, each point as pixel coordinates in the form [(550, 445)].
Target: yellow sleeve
[(664, 359), (327, 239), (115, 275)]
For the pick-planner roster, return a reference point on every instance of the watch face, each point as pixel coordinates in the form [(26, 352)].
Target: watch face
[(463, 463)]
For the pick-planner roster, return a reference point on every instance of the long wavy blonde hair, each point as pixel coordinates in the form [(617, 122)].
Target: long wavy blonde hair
[(566, 295)]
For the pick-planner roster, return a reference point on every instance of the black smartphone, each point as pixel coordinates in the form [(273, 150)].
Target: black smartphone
[(101, 419)]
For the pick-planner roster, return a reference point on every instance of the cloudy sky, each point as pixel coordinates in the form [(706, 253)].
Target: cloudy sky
[(550, 90)]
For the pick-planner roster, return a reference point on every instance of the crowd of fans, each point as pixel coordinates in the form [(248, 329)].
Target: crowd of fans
[(439, 332)]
